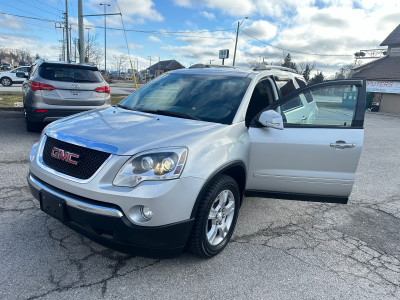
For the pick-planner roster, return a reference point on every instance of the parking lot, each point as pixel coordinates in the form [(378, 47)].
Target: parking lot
[(280, 249)]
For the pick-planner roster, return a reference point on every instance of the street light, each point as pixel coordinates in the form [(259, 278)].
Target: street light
[(105, 38), (237, 34), (137, 64)]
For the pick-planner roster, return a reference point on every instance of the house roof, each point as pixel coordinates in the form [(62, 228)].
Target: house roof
[(393, 38), (386, 68), (166, 65)]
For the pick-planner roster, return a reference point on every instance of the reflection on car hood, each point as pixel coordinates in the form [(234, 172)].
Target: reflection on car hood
[(126, 132)]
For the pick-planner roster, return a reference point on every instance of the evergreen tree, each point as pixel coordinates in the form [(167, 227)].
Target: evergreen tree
[(306, 73), (288, 63), (318, 77)]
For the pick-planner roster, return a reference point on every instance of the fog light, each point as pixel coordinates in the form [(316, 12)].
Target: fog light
[(146, 212)]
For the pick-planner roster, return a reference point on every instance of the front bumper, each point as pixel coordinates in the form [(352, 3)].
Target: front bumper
[(107, 225)]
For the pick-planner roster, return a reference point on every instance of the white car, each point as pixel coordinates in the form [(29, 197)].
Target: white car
[(10, 77), (168, 167)]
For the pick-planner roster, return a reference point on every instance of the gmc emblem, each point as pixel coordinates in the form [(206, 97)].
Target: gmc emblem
[(64, 155)]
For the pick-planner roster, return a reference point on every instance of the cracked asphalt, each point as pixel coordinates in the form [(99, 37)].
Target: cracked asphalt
[(280, 249)]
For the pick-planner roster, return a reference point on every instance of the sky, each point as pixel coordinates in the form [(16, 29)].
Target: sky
[(325, 33)]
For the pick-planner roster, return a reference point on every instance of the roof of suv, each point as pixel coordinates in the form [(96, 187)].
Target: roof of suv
[(240, 72)]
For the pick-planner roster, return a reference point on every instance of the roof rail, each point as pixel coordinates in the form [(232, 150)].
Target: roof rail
[(268, 67), (200, 66)]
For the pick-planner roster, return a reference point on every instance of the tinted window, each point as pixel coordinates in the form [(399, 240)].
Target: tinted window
[(285, 87), (212, 98), (69, 73)]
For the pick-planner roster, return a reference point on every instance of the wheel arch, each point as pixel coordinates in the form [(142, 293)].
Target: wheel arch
[(235, 169)]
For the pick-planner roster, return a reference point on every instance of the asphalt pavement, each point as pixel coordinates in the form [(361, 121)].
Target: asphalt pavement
[(280, 249)]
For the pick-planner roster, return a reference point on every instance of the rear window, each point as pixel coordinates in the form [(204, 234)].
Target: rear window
[(70, 73)]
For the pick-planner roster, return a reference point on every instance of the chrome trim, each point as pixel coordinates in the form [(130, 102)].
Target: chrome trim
[(41, 163), (100, 210), (79, 141)]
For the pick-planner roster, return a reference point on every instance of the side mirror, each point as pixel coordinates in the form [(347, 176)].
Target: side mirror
[(21, 75), (271, 119)]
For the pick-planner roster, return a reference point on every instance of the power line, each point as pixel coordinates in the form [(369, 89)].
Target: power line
[(20, 9), (293, 51), (32, 18), (41, 9), (49, 5), (3, 18)]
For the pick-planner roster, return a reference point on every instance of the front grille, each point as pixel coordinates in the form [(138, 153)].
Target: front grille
[(88, 162)]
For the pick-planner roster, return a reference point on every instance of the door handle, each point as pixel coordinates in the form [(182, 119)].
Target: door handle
[(342, 145), (304, 118)]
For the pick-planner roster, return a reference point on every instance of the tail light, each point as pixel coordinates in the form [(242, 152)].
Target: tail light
[(103, 89), (34, 85)]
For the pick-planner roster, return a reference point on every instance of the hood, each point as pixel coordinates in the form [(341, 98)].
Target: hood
[(124, 132)]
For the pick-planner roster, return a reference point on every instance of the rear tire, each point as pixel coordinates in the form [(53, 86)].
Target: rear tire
[(5, 81), (216, 217)]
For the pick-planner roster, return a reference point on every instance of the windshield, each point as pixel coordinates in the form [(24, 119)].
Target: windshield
[(70, 73), (212, 98)]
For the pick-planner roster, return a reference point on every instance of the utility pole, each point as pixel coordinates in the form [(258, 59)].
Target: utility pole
[(105, 35), (75, 40), (237, 35), (63, 45), (81, 34), (66, 28), (88, 44)]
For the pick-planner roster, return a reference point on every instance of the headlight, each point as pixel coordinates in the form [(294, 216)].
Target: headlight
[(163, 164)]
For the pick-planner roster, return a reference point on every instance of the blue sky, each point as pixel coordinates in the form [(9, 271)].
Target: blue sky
[(192, 31)]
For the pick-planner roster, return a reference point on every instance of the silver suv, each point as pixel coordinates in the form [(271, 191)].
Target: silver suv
[(168, 167), (58, 89)]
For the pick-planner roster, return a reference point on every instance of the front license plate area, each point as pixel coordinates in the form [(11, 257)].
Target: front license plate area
[(53, 205)]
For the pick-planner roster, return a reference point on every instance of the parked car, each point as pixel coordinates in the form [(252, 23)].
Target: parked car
[(168, 167), (10, 77), (5, 66), (57, 89)]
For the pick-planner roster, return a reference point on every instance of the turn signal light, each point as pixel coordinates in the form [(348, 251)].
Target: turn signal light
[(34, 85), (103, 89)]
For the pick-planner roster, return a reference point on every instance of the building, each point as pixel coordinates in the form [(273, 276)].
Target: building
[(383, 75), (164, 66)]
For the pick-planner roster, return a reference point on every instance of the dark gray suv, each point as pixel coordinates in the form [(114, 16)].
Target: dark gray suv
[(57, 89)]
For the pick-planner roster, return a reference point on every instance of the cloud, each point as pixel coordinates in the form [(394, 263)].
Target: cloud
[(207, 15), (153, 38), (133, 11), (261, 29), (9, 22)]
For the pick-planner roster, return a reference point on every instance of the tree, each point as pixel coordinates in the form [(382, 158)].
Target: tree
[(318, 77), (305, 69), (287, 62), (93, 51), (119, 61), (37, 56), (344, 72)]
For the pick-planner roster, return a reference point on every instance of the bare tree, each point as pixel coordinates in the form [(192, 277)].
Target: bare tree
[(119, 61), (93, 51)]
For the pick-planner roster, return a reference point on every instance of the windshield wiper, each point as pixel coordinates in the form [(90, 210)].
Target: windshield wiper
[(170, 113)]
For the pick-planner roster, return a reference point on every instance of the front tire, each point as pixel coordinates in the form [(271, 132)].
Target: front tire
[(5, 81), (216, 217)]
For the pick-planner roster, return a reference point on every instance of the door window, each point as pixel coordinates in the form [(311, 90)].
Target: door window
[(328, 106), (260, 99)]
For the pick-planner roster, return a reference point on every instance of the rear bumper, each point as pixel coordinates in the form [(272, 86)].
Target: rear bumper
[(50, 115), (108, 226)]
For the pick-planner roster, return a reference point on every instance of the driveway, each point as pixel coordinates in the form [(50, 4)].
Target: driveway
[(280, 250)]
